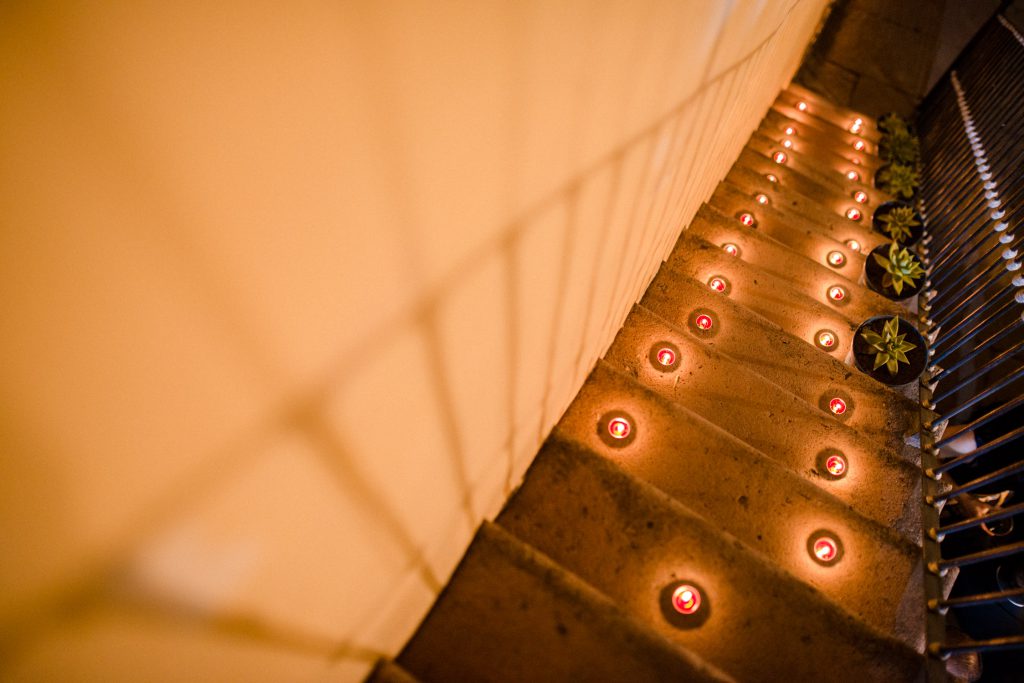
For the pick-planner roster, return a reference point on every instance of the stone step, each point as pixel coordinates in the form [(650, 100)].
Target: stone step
[(769, 509), (771, 297), (788, 108), (805, 138), (511, 614), (833, 198), (761, 346), (828, 112), (825, 213), (800, 235), (387, 671), (637, 545), (876, 482), (803, 274), (821, 167)]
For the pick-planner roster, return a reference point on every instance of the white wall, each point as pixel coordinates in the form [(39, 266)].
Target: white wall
[(293, 291)]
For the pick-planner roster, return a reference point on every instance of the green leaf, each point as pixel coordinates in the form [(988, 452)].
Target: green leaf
[(880, 360), (892, 365)]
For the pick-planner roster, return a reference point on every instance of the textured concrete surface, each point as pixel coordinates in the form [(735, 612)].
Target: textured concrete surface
[(812, 374), (783, 427), (511, 614), (810, 277), (824, 211), (879, 55), (770, 509), (629, 540)]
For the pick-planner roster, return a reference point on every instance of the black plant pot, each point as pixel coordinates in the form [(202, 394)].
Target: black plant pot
[(874, 274), (915, 232), (864, 353), (881, 186)]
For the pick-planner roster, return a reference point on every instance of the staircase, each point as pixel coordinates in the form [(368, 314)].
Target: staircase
[(687, 519)]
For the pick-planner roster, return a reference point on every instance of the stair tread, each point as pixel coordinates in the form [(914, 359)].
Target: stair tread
[(632, 541), (822, 212), (828, 112), (511, 614), (763, 293), (775, 422), (806, 134), (810, 373), (749, 496), (807, 275)]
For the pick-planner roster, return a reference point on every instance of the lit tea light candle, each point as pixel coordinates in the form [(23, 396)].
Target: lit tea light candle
[(731, 249), (836, 293), (718, 284), (779, 157), (826, 549), (747, 219), (853, 214), (787, 143), (837, 406), (686, 599), (703, 321), (802, 106), (826, 339), (853, 175), (619, 428), (860, 196), (761, 199), (836, 258), (859, 145), (772, 178), (853, 244), (835, 465)]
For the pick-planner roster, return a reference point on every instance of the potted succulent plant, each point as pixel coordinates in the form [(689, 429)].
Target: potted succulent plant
[(901, 148), (890, 350), (893, 271), (899, 180), (892, 122), (899, 222)]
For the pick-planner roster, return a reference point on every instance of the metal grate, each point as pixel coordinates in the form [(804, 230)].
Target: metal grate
[(972, 310)]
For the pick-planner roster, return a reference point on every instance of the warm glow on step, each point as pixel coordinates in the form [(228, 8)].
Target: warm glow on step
[(779, 157), (686, 599)]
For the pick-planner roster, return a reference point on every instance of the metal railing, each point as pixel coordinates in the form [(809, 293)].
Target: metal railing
[(972, 310)]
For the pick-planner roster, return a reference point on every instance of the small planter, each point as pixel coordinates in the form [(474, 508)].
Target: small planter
[(864, 353), (911, 128), (915, 232), (874, 273), (881, 186)]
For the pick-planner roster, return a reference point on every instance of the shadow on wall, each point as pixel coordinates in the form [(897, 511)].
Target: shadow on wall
[(291, 301)]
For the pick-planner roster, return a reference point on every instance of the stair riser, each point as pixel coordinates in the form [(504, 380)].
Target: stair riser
[(792, 364), (726, 482), (825, 213), (631, 544), (763, 293), (802, 274), (809, 138), (782, 427)]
